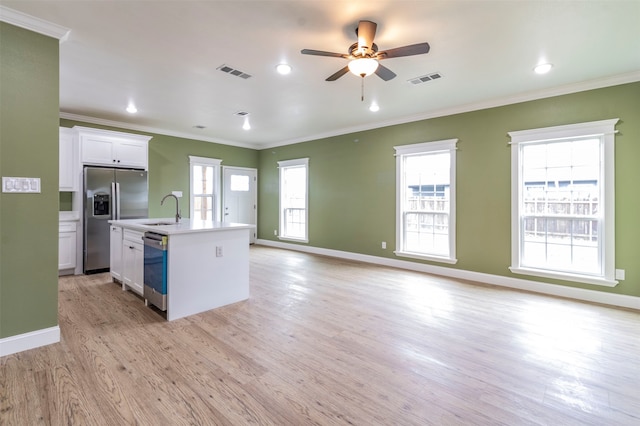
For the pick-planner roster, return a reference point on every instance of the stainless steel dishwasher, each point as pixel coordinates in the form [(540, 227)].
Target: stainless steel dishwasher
[(155, 269)]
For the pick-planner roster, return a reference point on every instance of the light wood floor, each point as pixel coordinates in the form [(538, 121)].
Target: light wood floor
[(325, 341)]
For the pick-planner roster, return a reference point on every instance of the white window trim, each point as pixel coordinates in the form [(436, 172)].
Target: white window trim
[(292, 163), (205, 161), (427, 147), (602, 128)]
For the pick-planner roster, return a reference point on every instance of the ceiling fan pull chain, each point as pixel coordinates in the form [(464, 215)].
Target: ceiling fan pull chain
[(362, 89)]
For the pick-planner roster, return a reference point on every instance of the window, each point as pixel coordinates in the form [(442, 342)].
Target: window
[(563, 202), (205, 188), (293, 199), (425, 201)]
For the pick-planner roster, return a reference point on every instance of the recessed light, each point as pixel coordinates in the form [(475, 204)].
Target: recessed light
[(283, 69), (543, 68), (131, 108), (246, 125), (374, 107)]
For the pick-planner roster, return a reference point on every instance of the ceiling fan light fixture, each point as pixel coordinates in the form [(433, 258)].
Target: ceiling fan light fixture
[(363, 67)]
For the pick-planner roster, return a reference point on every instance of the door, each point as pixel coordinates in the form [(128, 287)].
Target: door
[(240, 196), (98, 209), (133, 194)]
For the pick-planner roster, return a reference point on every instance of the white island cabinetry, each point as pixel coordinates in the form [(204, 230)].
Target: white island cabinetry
[(207, 262), (115, 247), (132, 261)]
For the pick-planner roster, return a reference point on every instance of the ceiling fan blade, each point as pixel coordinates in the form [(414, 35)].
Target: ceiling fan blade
[(338, 74), (366, 32), (413, 49), (384, 73), (323, 53)]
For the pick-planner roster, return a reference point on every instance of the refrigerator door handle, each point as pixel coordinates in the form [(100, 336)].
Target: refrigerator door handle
[(113, 201), (117, 184)]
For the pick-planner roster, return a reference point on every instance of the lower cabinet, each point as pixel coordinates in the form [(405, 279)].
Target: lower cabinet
[(66, 246), (115, 249), (132, 261)]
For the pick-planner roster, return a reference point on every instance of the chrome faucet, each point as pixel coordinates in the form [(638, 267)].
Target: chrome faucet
[(177, 208)]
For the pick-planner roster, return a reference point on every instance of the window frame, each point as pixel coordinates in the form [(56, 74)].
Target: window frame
[(435, 147), (605, 131), (215, 196), (282, 166)]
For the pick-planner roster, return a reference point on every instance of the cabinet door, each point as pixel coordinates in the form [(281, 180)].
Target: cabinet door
[(128, 263), (138, 268), (132, 260), (68, 180), (96, 150), (66, 250), (131, 154), (116, 253)]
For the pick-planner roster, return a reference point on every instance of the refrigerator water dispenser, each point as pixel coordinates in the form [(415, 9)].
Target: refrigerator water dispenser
[(101, 205)]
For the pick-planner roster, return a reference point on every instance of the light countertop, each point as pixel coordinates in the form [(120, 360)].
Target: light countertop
[(68, 216), (168, 226)]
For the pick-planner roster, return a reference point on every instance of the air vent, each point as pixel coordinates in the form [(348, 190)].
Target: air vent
[(228, 70), (425, 78)]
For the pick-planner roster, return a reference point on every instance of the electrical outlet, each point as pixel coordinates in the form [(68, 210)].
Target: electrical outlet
[(384, 245), (620, 274), (177, 193), (275, 232), (218, 251)]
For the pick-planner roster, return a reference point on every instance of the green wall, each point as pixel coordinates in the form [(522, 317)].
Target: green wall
[(66, 201), (352, 181), (169, 164), (29, 111)]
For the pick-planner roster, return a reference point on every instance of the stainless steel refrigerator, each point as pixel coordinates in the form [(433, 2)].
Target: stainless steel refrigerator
[(109, 194)]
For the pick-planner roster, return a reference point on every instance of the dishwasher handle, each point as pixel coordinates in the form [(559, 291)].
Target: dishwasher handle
[(157, 241)]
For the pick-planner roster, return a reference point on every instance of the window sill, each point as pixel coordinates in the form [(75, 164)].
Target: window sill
[(297, 240), (426, 257), (585, 279)]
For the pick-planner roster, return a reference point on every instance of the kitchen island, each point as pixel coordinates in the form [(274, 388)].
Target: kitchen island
[(207, 262)]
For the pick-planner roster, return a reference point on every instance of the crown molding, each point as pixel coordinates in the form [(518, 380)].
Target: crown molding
[(149, 129), (492, 103), (34, 24)]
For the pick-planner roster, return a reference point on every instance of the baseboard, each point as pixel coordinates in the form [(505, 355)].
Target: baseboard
[(31, 340), (620, 300)]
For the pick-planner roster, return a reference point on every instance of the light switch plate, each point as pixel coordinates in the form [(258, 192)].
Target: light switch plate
[(177, 193), (620, 274), (20, 184)]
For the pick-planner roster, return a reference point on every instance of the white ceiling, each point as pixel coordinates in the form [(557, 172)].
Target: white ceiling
[(164, 55)]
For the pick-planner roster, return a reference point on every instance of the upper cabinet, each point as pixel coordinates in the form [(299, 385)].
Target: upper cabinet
[(68, 160), (108, 148)]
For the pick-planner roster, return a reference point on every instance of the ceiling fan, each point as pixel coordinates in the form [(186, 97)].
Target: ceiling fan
[(364, 56)]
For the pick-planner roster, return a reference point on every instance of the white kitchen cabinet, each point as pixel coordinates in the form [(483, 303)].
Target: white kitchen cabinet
[(66, 246), (68, 161), (108, 148), (115, 253), (132, 261)]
